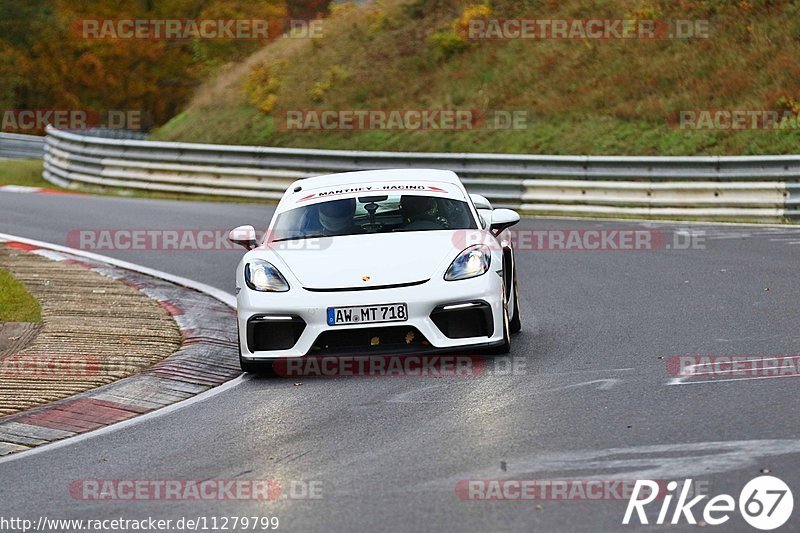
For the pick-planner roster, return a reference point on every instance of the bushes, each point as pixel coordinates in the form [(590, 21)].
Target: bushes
[(262, 84), (331, 77), (456, 39)]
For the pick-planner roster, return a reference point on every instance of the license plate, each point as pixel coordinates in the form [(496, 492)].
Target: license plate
[(369, 314)]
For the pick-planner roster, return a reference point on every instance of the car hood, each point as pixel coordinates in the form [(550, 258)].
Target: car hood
[(361, 261)]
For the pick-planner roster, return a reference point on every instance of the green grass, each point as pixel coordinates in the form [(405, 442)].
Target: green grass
[(16, 303), (27, 172), (581, 97)]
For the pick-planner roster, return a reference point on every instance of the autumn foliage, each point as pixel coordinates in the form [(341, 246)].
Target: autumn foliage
[(46, 64)]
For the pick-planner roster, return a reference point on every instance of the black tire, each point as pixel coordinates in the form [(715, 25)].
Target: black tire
[(515, 324), (504, 348)]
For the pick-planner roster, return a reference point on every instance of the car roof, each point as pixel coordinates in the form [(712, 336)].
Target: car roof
[(366, 176)]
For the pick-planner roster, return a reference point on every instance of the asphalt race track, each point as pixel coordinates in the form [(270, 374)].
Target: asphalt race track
[(593, 397)]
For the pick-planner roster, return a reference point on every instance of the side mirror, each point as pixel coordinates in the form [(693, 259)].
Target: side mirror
[(480, 202), (485, 216), (503, 219), (244, 236)]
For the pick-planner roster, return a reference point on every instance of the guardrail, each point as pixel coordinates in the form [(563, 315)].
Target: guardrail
[(16, 146), (760, 189)]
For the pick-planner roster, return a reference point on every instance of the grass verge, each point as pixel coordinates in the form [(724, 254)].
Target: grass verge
[(16, 303), (26, 172)]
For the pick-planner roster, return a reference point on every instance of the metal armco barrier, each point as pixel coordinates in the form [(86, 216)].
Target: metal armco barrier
[(759, 189), (16, 146)]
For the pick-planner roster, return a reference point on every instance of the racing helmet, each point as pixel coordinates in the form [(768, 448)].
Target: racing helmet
[(337, 215), (415, 207)]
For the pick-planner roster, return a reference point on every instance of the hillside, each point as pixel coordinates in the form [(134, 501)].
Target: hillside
[(580, 96), (49, 61)]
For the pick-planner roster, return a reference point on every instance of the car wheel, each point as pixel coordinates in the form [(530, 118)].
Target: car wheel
[(515, 324)]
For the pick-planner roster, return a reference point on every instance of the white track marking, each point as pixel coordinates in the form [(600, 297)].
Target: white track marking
[(660, 461), (406, 396), (220, 295), (20, 188), (678, 381), (606, 385), (126, 423), (588, 371), (692, 373)]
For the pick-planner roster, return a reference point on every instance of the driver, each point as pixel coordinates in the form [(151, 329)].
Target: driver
[(337, 217), (417, 209)]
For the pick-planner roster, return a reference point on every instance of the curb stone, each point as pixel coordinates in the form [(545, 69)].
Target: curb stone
[(207, 358)]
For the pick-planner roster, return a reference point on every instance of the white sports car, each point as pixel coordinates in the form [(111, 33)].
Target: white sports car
[(384, 261)]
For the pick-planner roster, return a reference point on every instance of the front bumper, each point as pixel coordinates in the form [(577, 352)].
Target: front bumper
[(301, 318)]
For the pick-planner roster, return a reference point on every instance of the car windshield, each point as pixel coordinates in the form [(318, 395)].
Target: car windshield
[(373, 214)]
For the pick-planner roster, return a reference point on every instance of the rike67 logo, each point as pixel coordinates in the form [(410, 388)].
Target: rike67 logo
[(765, 503)]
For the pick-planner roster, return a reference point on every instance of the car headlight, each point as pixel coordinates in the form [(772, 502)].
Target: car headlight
[(263, 277), (472, 262)]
